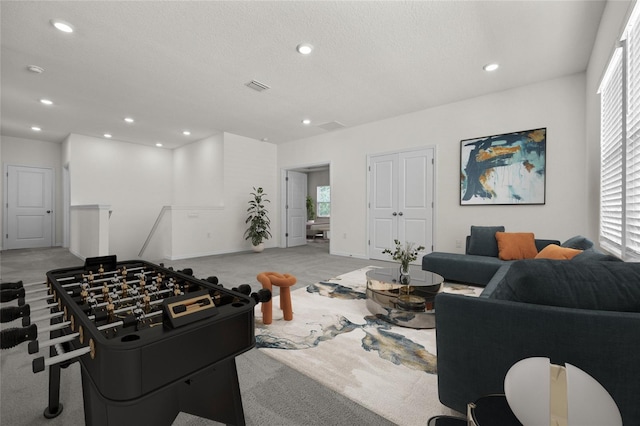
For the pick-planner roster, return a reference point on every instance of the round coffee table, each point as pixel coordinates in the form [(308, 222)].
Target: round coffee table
[(407, 305)]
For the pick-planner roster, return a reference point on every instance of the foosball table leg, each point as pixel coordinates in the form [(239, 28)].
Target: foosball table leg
[(55, 406)]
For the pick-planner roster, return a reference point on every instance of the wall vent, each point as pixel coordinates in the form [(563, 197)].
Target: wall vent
[(332, 125), (257, 86)]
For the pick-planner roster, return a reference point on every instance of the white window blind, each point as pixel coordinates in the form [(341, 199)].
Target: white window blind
[(632, 187), (620, 147), (611, 135)]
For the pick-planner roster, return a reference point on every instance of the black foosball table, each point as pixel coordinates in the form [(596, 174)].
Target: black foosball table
[(152, 342)]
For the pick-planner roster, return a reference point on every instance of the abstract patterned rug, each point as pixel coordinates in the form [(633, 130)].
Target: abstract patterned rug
[(336, 341)]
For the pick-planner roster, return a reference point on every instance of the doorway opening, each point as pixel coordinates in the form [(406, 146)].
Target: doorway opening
[(306, 206)]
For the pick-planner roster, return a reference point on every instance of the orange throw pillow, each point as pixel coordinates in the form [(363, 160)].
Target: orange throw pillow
[(516, 245), (554, 251)]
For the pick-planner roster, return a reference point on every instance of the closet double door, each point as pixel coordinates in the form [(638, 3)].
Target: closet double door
[(401, 201)]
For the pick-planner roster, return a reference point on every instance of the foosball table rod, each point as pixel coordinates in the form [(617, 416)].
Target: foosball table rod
[(18, 284), (40, 363), (35, 346)]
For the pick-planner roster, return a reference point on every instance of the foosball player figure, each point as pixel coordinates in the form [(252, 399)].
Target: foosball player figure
[(101, 271), (146, 299), (159, 280), (124, 287), (124, 271), (110, 310), (176, 290), (84, 293), (88, 276), (105, 291), (143, 281), (92, 301)]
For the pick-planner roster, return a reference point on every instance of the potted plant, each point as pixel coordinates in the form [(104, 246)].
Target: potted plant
[(405, 255), (258, 220), (311, 209)]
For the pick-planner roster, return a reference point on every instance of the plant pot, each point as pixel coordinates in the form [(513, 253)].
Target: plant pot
[(258, 248)]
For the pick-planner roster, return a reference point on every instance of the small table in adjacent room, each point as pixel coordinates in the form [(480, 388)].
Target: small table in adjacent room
[(407, 305)]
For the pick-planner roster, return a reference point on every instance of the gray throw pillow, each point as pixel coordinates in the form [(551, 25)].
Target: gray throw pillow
[(591, 255), (482, 241), (605, 286), (578, 242)]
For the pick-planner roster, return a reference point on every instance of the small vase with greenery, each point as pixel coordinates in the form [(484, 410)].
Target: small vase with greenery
[(257, 218), (405, 254), (311, 209)]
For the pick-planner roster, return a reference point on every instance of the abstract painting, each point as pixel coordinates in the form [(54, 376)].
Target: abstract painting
[(504, 169)]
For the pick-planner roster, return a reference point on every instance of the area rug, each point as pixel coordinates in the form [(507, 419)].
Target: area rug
[(335, 340)]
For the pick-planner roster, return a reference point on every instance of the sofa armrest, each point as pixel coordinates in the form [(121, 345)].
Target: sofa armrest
[(540, 244), (479, 339)]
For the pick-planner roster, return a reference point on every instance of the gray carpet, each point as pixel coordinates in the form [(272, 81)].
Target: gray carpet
[(272, 393)]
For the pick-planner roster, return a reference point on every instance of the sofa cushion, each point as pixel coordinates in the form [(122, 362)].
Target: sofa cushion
[(554, 251), (482, 241), (516, 245), (578, 242), (466, 268), (607, 286), (592, 255)]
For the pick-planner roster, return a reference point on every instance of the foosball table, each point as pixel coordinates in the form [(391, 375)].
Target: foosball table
[(151, 341)]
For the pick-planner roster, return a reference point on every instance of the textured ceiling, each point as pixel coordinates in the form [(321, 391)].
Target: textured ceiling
[(175, 65)]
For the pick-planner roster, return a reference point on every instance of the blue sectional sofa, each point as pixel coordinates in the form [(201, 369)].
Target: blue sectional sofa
[(584, 311)]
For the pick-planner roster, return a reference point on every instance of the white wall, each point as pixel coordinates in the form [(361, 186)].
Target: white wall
[(558, 105), (248, 163), (199, 173), (135, 180), (29, 152), (611, 26)]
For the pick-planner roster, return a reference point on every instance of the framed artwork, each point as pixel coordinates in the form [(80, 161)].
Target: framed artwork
[(504, 169)]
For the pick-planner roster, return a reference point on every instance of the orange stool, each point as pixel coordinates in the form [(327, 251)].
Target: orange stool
[(284, 281)]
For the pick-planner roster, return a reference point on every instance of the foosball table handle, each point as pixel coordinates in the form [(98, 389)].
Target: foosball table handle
[(11, 294), (11, 286), (14, 336), (11, 313)]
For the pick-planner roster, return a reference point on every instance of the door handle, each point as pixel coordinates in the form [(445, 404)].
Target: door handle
[(394, 214), (400, 214), (48, 211)]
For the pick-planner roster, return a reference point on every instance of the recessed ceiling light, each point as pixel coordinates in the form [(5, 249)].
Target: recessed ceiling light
[(491, 67), (304, 48), (306, 121), (129, 119), (108, 135), (186, 132), (36, 69), (46, 101), (265, 139), (158, 144), (35, 128), (63, 26)]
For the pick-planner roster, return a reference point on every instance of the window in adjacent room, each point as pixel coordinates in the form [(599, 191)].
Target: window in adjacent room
[(620, 147), (323, 195)]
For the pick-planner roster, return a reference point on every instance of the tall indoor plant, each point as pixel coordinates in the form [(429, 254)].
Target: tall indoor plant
[(311, 209), (258, 220)]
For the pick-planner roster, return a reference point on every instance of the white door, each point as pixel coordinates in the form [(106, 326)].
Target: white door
[(28, 207), (383, 203), (296, 233), (401, 201)]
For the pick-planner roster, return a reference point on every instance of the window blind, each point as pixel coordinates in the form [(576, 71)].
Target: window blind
[(632, 154), (611, 144), (620, 147)]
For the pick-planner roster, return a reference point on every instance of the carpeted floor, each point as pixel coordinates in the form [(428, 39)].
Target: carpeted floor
[(272, 392)]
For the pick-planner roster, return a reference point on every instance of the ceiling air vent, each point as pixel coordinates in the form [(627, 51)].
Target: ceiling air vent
[(332, 125), (257, 86)]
